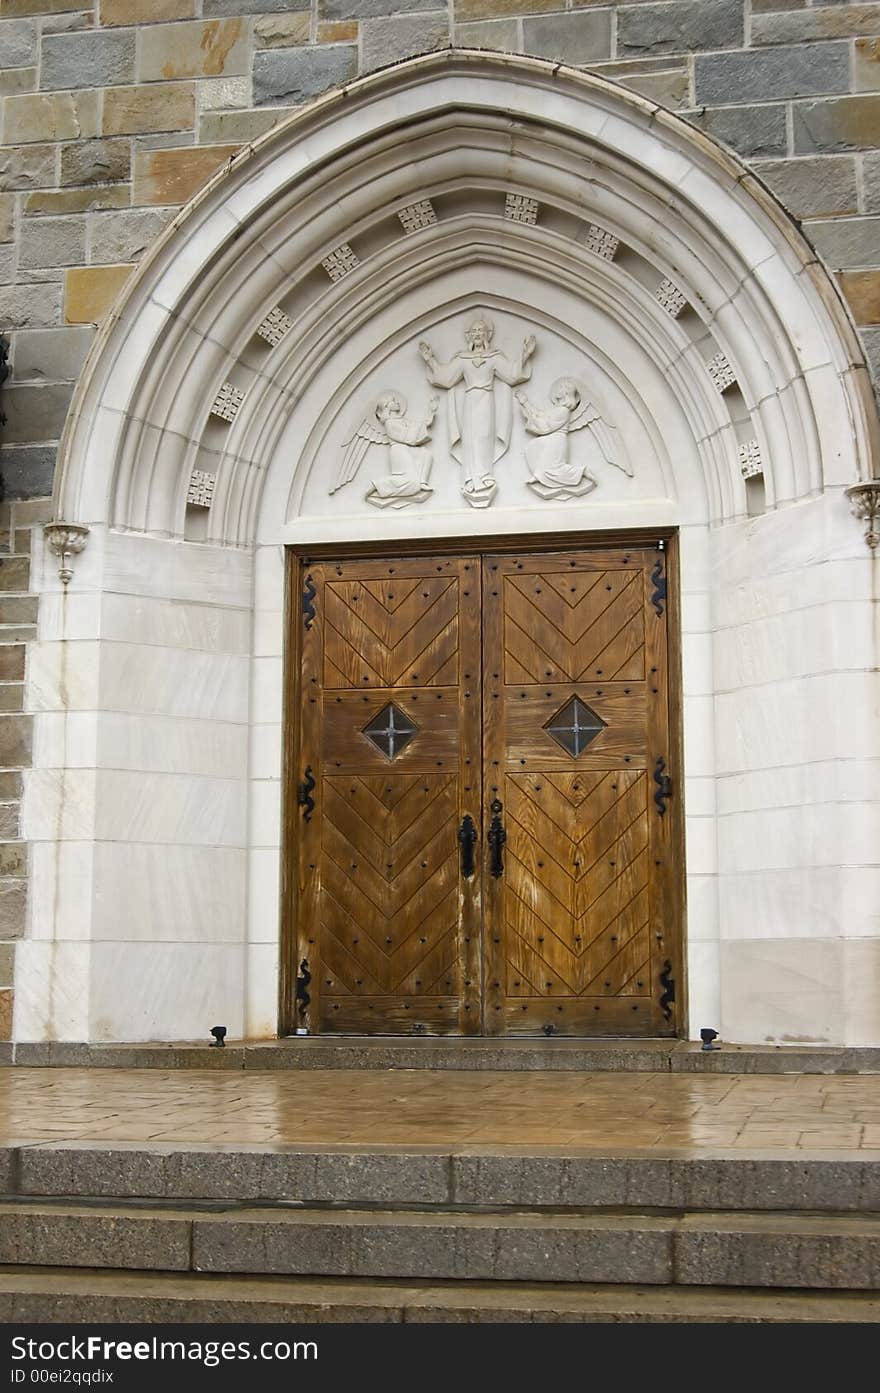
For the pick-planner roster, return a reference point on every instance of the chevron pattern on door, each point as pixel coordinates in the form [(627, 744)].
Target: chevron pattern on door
[(389, 724), (575, 716), (390, 632), (577, 883), (574, 626)]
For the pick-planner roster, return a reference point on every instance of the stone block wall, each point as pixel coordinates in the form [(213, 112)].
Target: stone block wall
[(114, 115)]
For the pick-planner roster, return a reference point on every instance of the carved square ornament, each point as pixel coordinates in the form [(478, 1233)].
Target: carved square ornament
[(601, 243), (340, 262), (275, 326), (519, 208), (417, 215), (721, 372), (750, 461), (200, 493), (227, 402), (670, 297)]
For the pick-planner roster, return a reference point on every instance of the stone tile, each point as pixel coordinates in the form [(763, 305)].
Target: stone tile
[(290, 76), (495, 9), (6, 1008), (13, 858), (7, 963), (390, 40), (90, 291), (861, 290), (173, 176), (27, 471), (765, 6), (35, 413), (242, 7), (846, 242), (160, 107), (42, 117), (12, 661), (67, 22), (18, 609), (52, 242), (209, 48), (10, 791), (7, 217), (90, 59), (338, 31), (13, 905), (29, 168), (224, 94), (751, 131), (239, 127), (771, 74), (78, 200), (866, 65), (812, 187), (16, 80), (683, 26), (115, 12), (572, 38), (838, 21), (282, 30), (96, 162), (82, 1238), (116, 237), (14, 575), (500, 34), (19, 43), (850, 123), (871, 182)]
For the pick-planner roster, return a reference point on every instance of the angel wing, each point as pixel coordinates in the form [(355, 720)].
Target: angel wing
[(353, 451), (604, 435)]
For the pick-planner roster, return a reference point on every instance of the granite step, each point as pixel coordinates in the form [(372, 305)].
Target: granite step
[(432, 1052), (408, 1177), (823, 1252), (36, 1295)]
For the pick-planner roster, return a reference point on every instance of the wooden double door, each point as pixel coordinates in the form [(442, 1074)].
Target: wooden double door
[(482, 817)]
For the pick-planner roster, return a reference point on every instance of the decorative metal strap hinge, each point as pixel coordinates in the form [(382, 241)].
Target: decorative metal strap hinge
[(658, 579), (667, 982), (304, 793), (303, 979), (467, 836), (310, 590), (496, 838), (664, 785)]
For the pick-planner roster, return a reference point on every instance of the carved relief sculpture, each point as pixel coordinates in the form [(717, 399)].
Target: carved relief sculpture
[(480, 410), (409, 459), (552, 475)]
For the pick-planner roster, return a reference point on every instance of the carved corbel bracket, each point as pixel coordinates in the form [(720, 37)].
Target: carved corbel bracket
[(65, 540), (864, 500)]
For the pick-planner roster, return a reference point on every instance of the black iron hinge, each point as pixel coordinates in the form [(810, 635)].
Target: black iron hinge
[(658, 579), (664, 785), (303, 979), (310, 590), (304, 793), (667, 982)]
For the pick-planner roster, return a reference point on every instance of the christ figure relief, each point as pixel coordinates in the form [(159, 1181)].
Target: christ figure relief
[(479, 379)]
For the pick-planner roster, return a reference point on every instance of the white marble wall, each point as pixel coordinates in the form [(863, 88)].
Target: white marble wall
[(137, 807), (797, 716), (154, 806)]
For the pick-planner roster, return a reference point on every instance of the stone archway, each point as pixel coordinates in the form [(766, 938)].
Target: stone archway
[(205, 435)]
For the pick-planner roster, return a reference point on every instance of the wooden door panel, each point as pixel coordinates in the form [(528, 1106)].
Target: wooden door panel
[(387, 926), (577, 923)]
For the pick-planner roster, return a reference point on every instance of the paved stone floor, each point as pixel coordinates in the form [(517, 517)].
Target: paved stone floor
[(813, 1112)]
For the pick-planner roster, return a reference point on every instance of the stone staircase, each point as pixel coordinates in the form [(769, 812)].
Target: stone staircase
[(125, 1232)]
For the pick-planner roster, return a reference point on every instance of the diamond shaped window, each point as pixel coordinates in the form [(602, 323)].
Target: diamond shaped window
[(390, 731), (574, 726)]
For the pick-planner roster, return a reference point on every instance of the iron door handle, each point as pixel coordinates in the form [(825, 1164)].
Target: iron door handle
[(467, 836), (304, 793), (496, 838)]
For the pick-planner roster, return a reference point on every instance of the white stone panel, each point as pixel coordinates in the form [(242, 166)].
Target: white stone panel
[(173, 682), (52, 983), (265, 819), (782, 992), (178, 994), (169, 894), (169, 809), (264, 892), (704, 987), (261, 993), (172, 746), (61, 886)]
